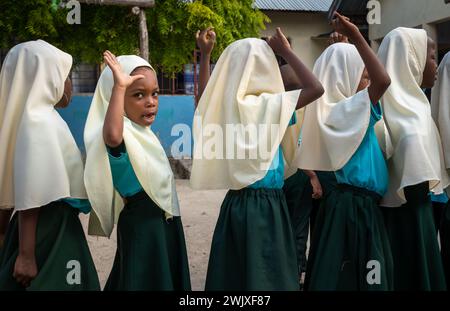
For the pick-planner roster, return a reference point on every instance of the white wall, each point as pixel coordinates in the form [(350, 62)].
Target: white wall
[(409, 13), (300, 27)]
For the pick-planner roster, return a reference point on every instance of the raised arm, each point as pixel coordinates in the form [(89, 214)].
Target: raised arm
[(113, 125), (312, 88), (379, 78), (205, 41)]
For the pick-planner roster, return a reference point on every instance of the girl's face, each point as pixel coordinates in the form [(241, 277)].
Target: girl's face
[(67, 95), (365, 81), (430, 71), (141, 98)]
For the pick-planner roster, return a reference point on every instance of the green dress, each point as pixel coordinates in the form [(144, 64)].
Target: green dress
[(298, 192), (253, 247), (151, 251), (63, 258), (445, 242), (350, 247), (415, 248)]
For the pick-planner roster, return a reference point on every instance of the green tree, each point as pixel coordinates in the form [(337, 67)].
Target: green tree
[(171, 23)]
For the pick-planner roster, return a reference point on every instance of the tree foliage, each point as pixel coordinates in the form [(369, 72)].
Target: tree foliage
[(172, 25)]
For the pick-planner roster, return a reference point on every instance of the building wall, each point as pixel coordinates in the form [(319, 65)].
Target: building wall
[(172, 110), (409, 13), (300, 27)]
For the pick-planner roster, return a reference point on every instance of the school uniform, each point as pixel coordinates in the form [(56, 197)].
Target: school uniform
[(303, 208), (133, 185), (298, 192), (444, 233), (349, 230), (415, 162), (253, 246), (42, 168), (62, 252), (151, 252)]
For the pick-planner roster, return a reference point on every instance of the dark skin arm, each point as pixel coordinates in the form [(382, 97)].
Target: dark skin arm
[(379, 78), (315, 183), (205, 41), (312, 88), (113, 125), (25, 268)]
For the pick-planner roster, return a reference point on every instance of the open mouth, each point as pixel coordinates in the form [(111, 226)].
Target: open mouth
[(150, 116)]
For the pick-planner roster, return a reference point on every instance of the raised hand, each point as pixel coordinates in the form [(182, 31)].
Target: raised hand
[(121, 79), (206, 40), (344, 26), (279, 43)]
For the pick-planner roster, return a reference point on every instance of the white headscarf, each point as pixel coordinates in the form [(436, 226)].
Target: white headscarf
[(440, 106), (335, 124), (39, 159), (146, 154), (416, 147), (245, 88)]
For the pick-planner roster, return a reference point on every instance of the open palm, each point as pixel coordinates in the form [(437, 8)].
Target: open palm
[(121, 79)]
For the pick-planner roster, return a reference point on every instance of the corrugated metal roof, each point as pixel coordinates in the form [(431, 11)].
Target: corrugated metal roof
[(294, 5)]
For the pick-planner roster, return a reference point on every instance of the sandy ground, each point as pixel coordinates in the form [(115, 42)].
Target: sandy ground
[(199, 211)]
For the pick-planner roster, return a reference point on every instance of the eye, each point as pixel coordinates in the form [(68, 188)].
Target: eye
[(155, 94), (139, 95)]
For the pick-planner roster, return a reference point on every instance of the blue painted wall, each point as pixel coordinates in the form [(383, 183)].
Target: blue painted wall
[(172, 110)]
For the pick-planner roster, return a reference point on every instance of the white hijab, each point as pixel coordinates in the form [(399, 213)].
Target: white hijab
[(39, 160), (416, 146), (440, 106), (245, 88), (146, 154), (335, 124)]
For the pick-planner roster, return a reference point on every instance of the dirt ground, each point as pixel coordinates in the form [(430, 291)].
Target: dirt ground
[(199, 212)]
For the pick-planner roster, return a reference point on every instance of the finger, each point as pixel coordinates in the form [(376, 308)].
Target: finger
[(107, 60), (337, 15), (197, 34), (211, 33), (279, 32), (209, 28), (112, 62), (107, 57), (213, 36), (342, 18), (112, 57), (203, 33), (25, 280), (109, 54), (19, 278)]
